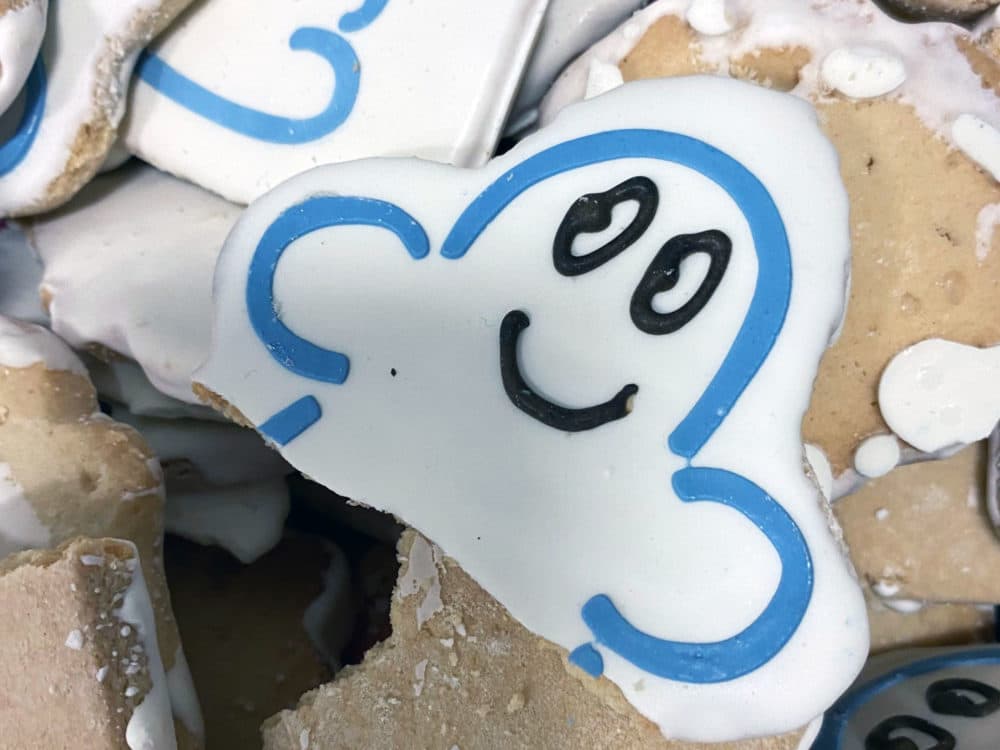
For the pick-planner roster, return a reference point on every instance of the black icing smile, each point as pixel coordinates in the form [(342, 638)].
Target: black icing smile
[(540, 408)]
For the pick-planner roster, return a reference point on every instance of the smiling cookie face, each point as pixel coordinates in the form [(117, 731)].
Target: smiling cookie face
[(581, 370)]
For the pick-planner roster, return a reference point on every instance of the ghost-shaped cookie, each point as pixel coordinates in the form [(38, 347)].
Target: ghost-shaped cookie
[(581, 370), (937, 699)]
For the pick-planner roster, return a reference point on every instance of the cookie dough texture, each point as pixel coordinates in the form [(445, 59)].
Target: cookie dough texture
[(931, 625), (62, 683), (915, 203), (458, 671)]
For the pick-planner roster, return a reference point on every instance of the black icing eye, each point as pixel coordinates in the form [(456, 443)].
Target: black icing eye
[(951, 698), (592, 213), (664, 272), (880, 738)]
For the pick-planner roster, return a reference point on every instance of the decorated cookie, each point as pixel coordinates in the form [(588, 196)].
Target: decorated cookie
[(67, 470), (239, 98), (458, 671), (248, 660), (22, 27), (933, 698), (56, 134), (922, 533), (912, 113), (501, 338), (79, 658), (128, 269)]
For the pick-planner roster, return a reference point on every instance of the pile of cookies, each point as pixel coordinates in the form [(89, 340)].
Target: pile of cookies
[(536, 374)]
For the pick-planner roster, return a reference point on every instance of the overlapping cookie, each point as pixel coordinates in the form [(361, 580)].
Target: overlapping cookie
[(238, 97), (605, 337), (70, 471), (912, 111), (56, 134)]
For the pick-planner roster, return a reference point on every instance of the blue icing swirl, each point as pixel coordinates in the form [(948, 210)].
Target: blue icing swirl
[(15, 148), (356, 20)]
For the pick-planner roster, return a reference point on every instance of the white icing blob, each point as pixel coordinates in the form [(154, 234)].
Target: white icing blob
[(986, 224), (21, 31), (877, 456), (329, 617), (20, 276), (821, 469), (26, 344), (885, 588), (979, 140), (20, 527), (74, 640), (862, 72), (938, 394), (601, 78), (810, 734), (709, 17), (151, 726), (129, 266), (245, 519), (183, 698), (904, 606), (494, 487)]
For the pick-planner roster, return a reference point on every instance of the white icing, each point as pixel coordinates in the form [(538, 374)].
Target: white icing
[(326, 619), (979, 140), (882, 514), (570, 26), (986, 224), (862, 72), (904, 606), (20, 276), (422, 575), (151, 725), (478, 476), (20, 527), (129, 266), (993, 478), (124, 382), (939, 82), (810, 734), (183, 698), (449, 70), (602, 78), (821, 469), (876, 456), (304, 739), (21, 32), (709, 17), (26, 344), (885, 589), (245, 519), (89, 50), (938, 394), (74, 640)]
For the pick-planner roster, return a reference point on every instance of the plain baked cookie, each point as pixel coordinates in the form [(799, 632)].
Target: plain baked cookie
[(911, 111), (67, 470), (57, 134)]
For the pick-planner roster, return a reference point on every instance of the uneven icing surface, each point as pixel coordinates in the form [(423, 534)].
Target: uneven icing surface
[(979, 140), (938, 394), (359, 323), (920, 62), (183, 699), (27, 344), (821, 470), (935, 698), (20, 527), (88, 77), (20, 275), (21, 33), (876, 456), (123, 381), (116, 260), (238, 97), (709, 17)]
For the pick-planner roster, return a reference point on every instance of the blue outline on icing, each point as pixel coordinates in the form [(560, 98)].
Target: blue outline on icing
[(835, 720), (356, 20), (253, 123), (291, 351), (760, 641), (292, 421), (15, 148)]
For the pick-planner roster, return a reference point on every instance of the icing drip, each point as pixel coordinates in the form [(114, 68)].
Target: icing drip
[(709, 17), (937, 394), (821, 469), (862, 72), (877, 456), (986, 224), (183, 698), (26, 344), (979, 140)]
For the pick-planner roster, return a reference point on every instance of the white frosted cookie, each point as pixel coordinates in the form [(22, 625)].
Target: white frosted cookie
[(655, 250), (239, 96), (22, 27), (912, 110), (67, 470), (79, 659), (128, 267), (926, 698), (56, 134)]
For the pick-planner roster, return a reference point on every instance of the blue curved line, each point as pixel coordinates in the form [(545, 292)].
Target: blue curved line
[(293, 352), (13, 151), (292, 421), (831, 733), (356, 20), (757, 644), (769, 305), (261, 125)]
